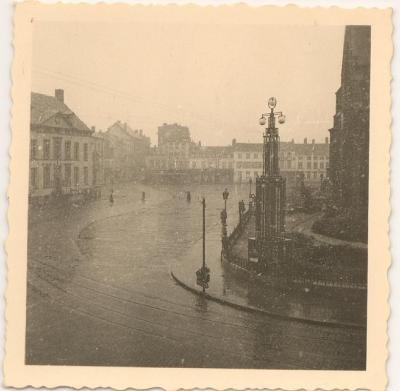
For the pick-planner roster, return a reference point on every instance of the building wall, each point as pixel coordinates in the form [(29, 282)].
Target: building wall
[(349, 147), (249, 163), (126, 151), (53, 158)]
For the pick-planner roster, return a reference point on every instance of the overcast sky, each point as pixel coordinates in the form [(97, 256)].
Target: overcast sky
[(216, 79)]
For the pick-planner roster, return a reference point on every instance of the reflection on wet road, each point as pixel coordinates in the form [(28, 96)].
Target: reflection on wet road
[(113, 301)]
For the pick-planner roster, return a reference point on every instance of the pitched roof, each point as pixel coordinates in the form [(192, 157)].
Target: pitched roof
[(49, 111), (126, 130)]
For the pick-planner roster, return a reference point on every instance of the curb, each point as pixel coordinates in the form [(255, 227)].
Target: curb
[(264, 312)]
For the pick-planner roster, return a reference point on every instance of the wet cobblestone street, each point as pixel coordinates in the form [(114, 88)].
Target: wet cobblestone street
[(100, 291)]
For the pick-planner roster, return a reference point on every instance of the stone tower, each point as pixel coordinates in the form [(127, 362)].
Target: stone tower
[(270, 201)]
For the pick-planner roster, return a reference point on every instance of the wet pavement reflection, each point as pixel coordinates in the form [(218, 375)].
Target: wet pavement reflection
[(107, 298)]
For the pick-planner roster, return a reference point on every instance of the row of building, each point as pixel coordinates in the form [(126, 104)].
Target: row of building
[(68, 157), (177, 152)]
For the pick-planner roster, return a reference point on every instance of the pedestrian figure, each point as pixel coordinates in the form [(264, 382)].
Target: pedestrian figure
[(143, 196), (188, 196), (111, 198)]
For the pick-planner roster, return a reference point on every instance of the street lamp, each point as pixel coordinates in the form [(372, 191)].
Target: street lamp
[(203, 274), (225, 196), (271, 136), (250, 183)]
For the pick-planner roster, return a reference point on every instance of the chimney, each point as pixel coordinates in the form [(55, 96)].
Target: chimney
[(59, 95), (305, 140), (313, 141), (141, 132), (326, 140), (233, 142), (292, 140)]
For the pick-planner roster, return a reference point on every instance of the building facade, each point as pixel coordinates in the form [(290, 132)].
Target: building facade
[(125, 152), (63, 151), (310, 159), (349, 137), (177, 158)]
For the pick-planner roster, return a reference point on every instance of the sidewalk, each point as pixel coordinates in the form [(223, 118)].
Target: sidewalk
[(305, 228), (335, 309)]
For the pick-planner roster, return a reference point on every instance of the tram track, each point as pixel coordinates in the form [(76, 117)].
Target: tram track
[(290, 340), (244, 339)]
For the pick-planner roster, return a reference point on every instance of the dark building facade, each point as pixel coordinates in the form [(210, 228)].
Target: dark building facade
[(349, 137)]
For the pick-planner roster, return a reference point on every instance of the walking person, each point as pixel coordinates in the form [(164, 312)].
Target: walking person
[(112, 198)]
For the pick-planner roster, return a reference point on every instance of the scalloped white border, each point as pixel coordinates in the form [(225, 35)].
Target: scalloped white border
[(374, 378)]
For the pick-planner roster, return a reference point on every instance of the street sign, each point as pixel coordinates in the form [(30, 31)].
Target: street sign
[(203, 277)]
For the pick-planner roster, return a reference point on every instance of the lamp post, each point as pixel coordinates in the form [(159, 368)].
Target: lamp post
[(250, 183), (225, 196), (203, 274), (57, 176), (224, 216)]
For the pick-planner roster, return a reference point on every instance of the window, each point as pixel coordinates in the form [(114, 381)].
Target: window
[(315, 165), (34, 177), (203, 164), (76, 176), (85, 152), (308, 175), (85, 175), (67, 150), (255, 174), (56, 148), (33, 149), (239, 155), (321, 165), (247, 155), (309, 165), (315, 174), (300, 165), (223, 165), (289, 164), (46, 149), (46, 175), (67, 175), (256, 156), (247, 174), (194, 164), (230, 164), (76, 151), (308, 157)]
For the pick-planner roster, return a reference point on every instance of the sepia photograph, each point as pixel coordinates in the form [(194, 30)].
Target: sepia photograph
[(170, 173), (198, 194)]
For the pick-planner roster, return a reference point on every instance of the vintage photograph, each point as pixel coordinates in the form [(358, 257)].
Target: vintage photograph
[(180, 215), (198, 193)]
